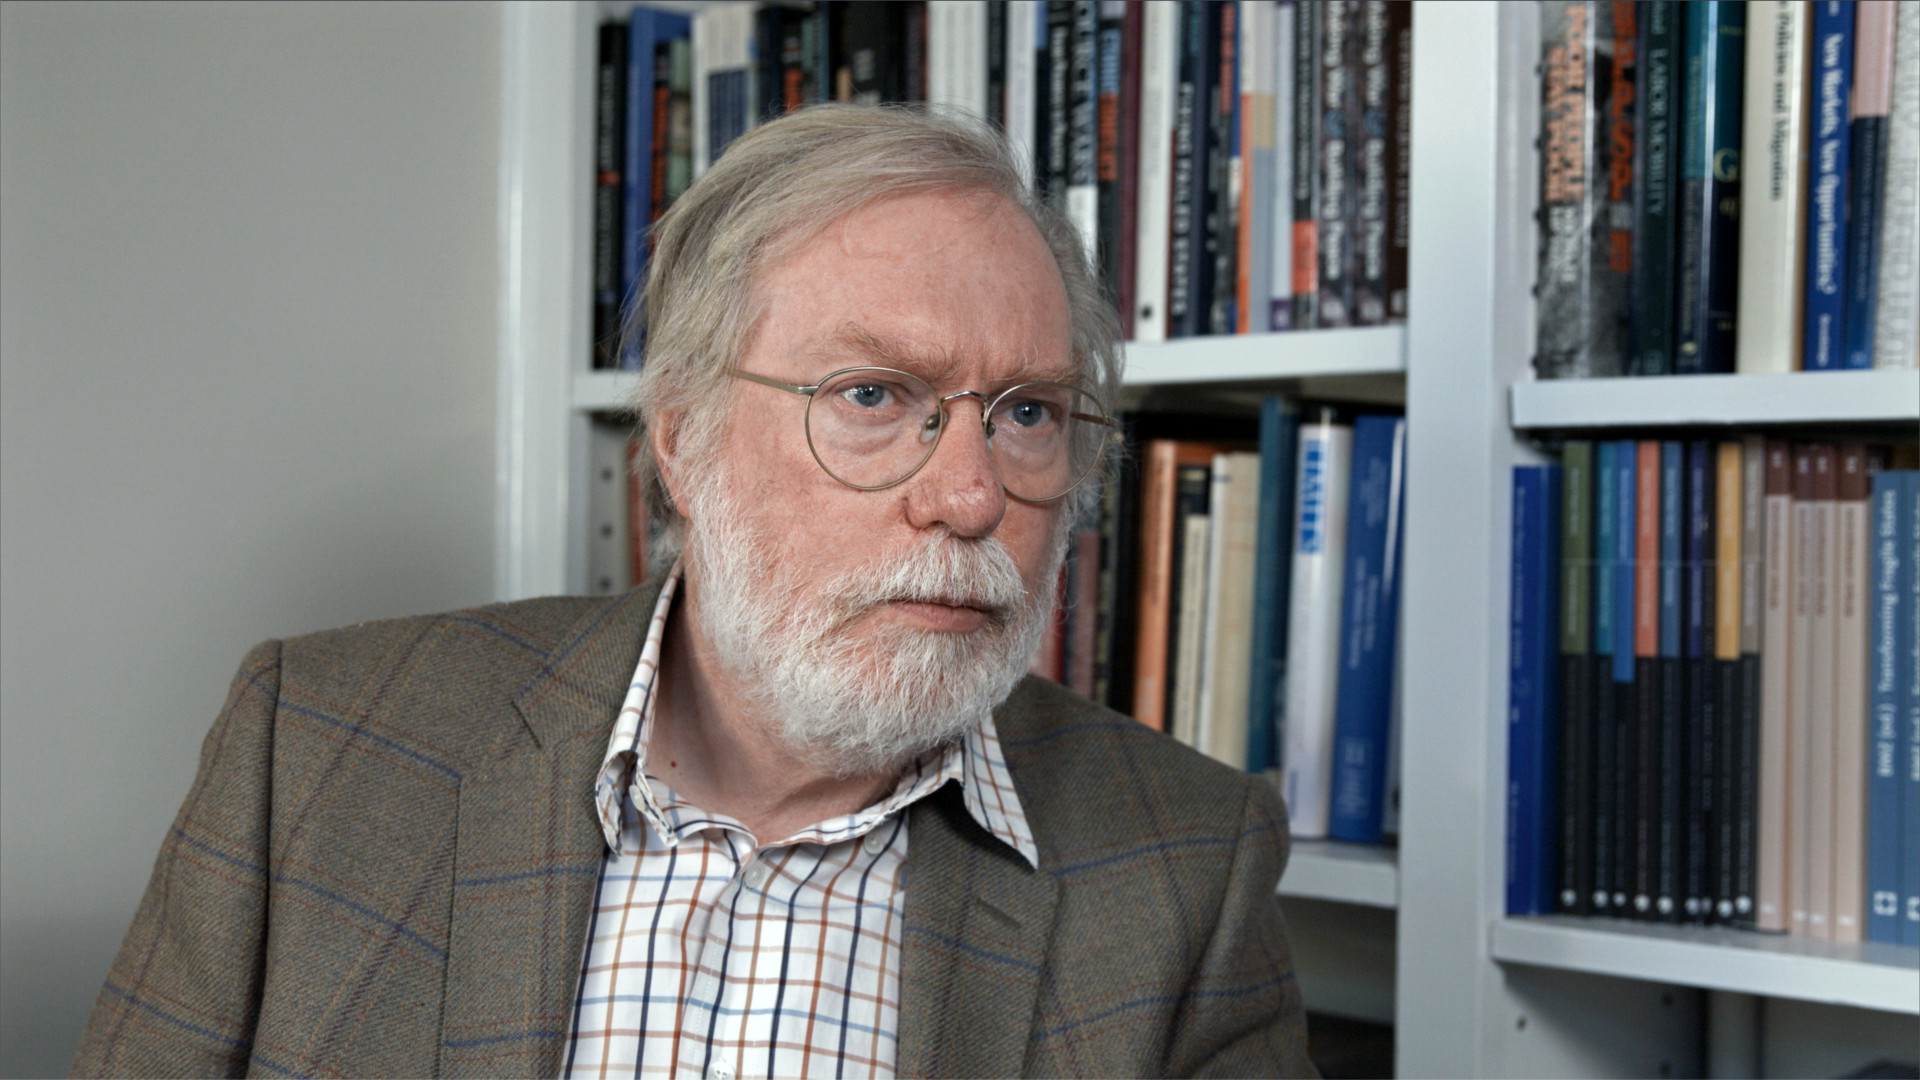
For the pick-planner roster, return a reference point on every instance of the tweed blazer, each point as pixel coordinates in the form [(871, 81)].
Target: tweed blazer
[(387, 860)]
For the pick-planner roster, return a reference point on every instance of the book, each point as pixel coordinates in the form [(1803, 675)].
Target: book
[(1259, 196), (1578, 296), (1849, 733), (1223, 172), (1910, 704), (609, 153), (1670, 717), (1656, 149), (1272, 576), (1649, 687), (1159, 77), (1533, 668), (1827, 161), (1603, 762), (1399, 154), (1189, 267), (1083, 128), (1576, 891), (723, 62), (1114, 243), (1773, 188), (1624, 490), (1774, 795), (1824, 566), (1801, 720), (1313, 654), (1896, 317), (1083, 606), (1369, 628), (1334, 141), (1025, 18), (1304, 200), (1866, 167), (1155, 605), (1194, 549), (1707, 274), (1373, 165), (996, 65), (1054, 80), (1753, 613), (1703, 735), (1228, 643), (649, 113), (1279, 302), (1728, 528), (1619, 134)]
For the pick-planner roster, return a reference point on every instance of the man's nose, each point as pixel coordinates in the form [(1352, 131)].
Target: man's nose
[(959, 487)]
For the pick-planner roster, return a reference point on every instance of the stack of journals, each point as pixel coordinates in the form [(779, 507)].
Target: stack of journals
[(1715, 695), (1728, 187), (1234, 166)]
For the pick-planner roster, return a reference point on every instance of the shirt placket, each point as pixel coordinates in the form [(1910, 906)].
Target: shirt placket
[(713, 1022)]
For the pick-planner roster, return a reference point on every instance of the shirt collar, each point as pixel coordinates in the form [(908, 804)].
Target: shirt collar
[(976, 762)]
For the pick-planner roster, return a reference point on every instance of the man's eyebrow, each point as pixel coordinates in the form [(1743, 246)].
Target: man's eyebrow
[(938, 367)]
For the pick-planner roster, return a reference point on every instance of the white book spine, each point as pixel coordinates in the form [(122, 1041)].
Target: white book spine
[(970, 69), (702, 44), (1159, 68), (1221, 490), (1023, 22), (1773, 180), (1280, 246), (1850, 731), (1259, 63), (1223, 686), (940, 53), (1800, 718), (1822, 688), (1896, 330), (1771, 865), (1190, 627), (1313, 633)]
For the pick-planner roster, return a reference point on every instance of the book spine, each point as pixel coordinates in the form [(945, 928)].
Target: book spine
[(1266, 689), (1655, 150), (1399, 154), (1259, 64), (1083, 609), (1532, 696), (1115, 152), (1821, 694), (1896, 318), (1024, 18), (1372, 165), (1866, 169), (609, 153), (1773, 188), (1670, 900), (1334, 143), (1910, 704), (1709, 270), (1223, 171), (1370, 608), (1646, 676), (1313, 655), (1120, 567), (1159, 78), (1729, 483), (1193, 547), (1223, 686), (996, 63), (1775, 796), (1573, 324), (1753, 529), (1625, 689), (769, 81), (1279, 300), (1603, 760), (1309, 29), (1703, 732), (1212, 612), (1828, 158), (1849, 732), (1083, 127), (1157, 524), (1187, 246), (1056, 117), (1614, 277), (1575, 708)]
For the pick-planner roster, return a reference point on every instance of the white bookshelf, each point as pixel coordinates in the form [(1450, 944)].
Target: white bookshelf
[(1867, 976), (1474, 993), (1807, 397)]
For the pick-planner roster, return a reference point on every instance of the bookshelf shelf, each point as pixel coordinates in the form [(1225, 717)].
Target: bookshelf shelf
[(602, 391), (1826, 397), (1376, 350), (1362, 874), (1871, 976)]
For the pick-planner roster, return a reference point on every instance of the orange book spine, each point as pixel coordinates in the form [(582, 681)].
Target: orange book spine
[(1154, 627), (1726, 538), (1646, 551)]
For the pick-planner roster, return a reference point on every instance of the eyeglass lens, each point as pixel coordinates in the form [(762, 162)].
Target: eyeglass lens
[(872, 427)]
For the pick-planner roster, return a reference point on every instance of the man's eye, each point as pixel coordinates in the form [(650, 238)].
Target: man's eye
[(866, 395), (1029, 413)]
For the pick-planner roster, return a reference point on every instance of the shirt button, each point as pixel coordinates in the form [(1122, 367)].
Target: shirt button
[(756, 877), (720, 1071), (874, 843)]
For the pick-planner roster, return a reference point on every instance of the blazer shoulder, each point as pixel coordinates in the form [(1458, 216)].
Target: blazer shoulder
[(1091, 779)]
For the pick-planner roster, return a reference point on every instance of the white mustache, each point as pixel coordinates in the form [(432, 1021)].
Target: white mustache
[(940, 570)]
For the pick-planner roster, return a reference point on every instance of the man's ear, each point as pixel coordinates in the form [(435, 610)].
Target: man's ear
[(663, 434)]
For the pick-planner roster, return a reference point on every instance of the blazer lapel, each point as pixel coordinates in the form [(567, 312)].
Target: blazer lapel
[(528, 857), (979, 922)]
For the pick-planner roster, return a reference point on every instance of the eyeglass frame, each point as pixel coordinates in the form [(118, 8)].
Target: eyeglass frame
[(987, 406)]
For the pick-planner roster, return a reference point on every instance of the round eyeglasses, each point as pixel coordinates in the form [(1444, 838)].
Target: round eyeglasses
[(873, 427)]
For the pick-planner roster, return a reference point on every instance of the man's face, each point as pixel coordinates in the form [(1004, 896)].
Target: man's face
[(961, 290)]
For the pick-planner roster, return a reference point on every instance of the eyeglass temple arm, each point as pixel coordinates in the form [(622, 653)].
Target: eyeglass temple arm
[(791, 388)]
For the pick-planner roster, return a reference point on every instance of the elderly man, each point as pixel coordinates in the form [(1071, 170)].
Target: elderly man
[(790, 809)]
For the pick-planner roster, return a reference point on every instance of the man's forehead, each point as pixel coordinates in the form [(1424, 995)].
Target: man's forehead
[(852, 344)]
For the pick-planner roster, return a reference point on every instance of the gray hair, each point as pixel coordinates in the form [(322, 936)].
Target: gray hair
[(778, 187)]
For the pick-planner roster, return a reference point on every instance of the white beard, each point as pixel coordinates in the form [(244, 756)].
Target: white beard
[(866, 700)]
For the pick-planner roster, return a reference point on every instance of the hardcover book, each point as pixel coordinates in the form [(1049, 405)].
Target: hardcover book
[(1656, 151), (1773, 188), (1896, 318), (1827, 164), (1708, 276), (1313, 653), (1866, 171), (1533, 727), (1576, 679)]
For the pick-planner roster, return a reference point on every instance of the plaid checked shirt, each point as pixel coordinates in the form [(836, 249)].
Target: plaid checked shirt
[(709, 957)]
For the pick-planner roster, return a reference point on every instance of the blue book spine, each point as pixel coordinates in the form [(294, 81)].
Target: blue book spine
[(1668, 719), (1369, 623), (647, 29), (1672, 472), (1626, 509), (1910, 706), (1827, 187), (1606, 524), (1533, 716), (1709, 267), (1884, 826), (1272, 576)]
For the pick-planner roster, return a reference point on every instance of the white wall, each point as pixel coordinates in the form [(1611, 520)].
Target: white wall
[(247, 357)]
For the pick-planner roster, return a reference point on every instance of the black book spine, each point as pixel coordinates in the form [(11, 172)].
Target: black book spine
[(768, 51), (1399, 154), (1059, 79), (997, 63), (1308, 30), (909, 81), (1627, 900), (1708, 277), (1746, 792), (1670, 898), (1184, 247), (1606, 774), (1083, 130), (1333, 151), (1107, 144), (1223, 213), (1726, 769), (1576, 783), (1703, 736), (609, 197), (1646, 806), (1372, 164), (1655, 150)]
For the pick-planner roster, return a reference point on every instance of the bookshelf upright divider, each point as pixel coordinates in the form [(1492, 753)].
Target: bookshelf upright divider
[(1475, 993)]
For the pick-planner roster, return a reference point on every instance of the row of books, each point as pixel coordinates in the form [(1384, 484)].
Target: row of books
[(1715, 686), (1234, 166), (1240, 590), (1728, 187)]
